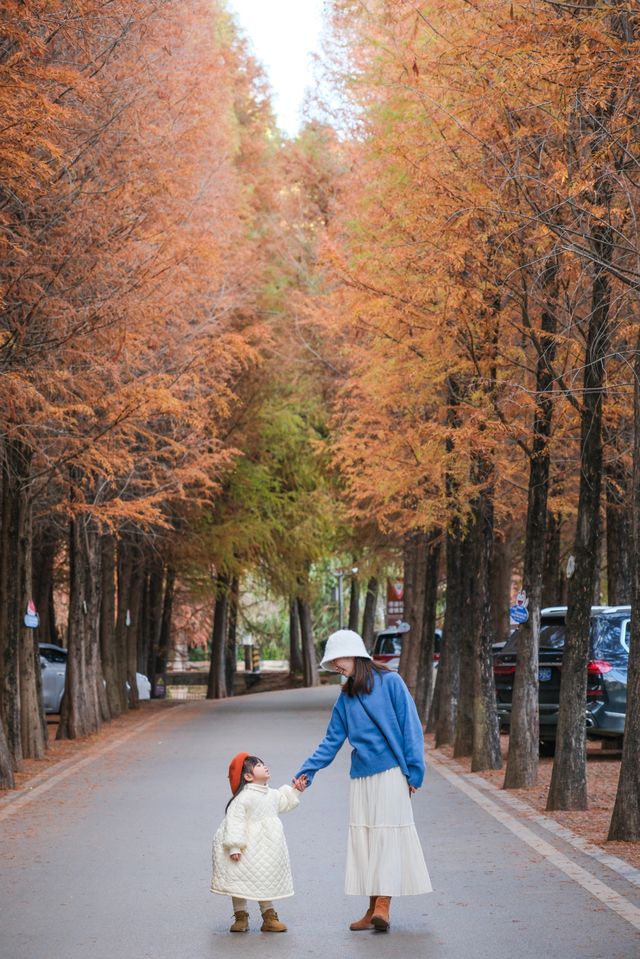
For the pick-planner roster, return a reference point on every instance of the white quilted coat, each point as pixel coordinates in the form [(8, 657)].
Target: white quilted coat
[(252, 828)]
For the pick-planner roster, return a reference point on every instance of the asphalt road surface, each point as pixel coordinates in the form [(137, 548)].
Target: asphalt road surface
[(111, 858)]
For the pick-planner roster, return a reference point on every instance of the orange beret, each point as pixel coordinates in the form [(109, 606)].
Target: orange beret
[(235, 770)]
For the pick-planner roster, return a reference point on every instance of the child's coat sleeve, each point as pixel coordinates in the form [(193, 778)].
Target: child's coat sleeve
[(234, 838), (288, 798)]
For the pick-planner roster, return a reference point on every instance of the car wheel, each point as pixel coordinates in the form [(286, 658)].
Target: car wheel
[(547, 747)]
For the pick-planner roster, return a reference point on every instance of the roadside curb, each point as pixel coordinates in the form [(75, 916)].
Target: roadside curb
[(617, 865), (516, 823), (45, 780)]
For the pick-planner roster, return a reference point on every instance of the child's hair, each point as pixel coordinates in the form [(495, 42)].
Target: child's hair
[(247, 767)]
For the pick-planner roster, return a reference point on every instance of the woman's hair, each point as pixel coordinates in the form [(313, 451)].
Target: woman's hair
[(247, 767), (363, 676)]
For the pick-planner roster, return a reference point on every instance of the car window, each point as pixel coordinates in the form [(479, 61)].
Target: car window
[(388, 645), (552, 636), (54, 655), (612, 641)]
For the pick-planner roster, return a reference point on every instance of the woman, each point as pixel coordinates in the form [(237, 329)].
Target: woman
[(376, 713)]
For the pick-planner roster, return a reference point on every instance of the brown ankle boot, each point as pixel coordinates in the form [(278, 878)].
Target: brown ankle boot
[(241, 923), (365, 922), (271, 923), (380, 917)]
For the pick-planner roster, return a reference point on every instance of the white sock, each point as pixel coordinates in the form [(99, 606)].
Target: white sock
[(266, 904), (239, 905)]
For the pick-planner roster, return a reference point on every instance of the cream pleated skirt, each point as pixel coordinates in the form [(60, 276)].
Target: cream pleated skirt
[(384, 856)]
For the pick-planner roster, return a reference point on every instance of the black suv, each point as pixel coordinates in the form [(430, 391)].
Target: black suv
[(606, 705)]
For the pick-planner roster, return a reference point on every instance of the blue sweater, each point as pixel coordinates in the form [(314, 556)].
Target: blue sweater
[(397, 742)]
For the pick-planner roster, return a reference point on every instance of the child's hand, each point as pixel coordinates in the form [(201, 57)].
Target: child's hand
[(236, 856), (300, 784)]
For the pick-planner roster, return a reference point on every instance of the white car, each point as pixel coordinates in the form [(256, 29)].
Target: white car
[(388, 646), (53, 663)]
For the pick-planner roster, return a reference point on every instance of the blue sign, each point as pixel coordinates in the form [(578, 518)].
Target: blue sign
[(519, 614)]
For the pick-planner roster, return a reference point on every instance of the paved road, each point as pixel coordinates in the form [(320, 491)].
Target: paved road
[(113, 860)]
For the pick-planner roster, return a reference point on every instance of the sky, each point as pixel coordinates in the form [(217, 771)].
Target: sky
[(283, 34)]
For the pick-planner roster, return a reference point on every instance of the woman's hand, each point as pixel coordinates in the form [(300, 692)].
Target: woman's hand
[(300, 784), (236, 856), (412, 790)]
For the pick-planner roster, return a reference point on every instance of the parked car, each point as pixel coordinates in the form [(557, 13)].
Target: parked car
[(606, 702), (53, 663), (388, 646)]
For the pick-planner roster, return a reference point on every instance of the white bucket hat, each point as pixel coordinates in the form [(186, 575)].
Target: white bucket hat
[(344, 642)]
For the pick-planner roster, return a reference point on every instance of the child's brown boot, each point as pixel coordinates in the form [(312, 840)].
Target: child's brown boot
[(271, 923), (241, 923), (380, 917), (365, 922)]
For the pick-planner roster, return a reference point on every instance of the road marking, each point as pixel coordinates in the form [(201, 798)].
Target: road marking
[(624, 869), (605, 894), (18, 799)]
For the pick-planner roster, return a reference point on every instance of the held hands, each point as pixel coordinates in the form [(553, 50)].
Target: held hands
[(300, 784), (235, 856)]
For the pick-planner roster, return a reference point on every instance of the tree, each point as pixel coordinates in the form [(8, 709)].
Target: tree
[(625, 821)]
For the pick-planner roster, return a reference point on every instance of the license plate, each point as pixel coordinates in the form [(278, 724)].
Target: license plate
[(544, 674)]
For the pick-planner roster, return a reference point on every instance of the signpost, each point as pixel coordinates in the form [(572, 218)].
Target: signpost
[(395, 601), (519, 613)]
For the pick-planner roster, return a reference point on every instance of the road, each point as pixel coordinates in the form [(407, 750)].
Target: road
[(112, 858)]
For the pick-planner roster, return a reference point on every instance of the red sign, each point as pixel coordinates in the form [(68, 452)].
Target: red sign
[(395, 601)]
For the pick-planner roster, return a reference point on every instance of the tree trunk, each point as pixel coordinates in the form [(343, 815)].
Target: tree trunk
[(463, 741), (597, 570), (7, 780), (354, 603), (448, 679), (45, 547), (34, 735), (124, 573), (309, 665), (295, 655), (108, 649), (217, 687), (132, 631), (501, 585), (80, 714), (553, 578), (625, 821), (369, 615), (424, 689), (486, 732), (619, 532), (230, 658), (9, 604), (522, 761), (445, 699), (20, 693), (568, 788), (154, 608), (164, 642), (415, 581)]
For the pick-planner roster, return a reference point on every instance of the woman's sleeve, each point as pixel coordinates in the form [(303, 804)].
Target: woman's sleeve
[(288, 798), (328, 748), (234, 836), (413, 737)]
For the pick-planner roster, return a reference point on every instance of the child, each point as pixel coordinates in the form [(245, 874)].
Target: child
[(250, 857)]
